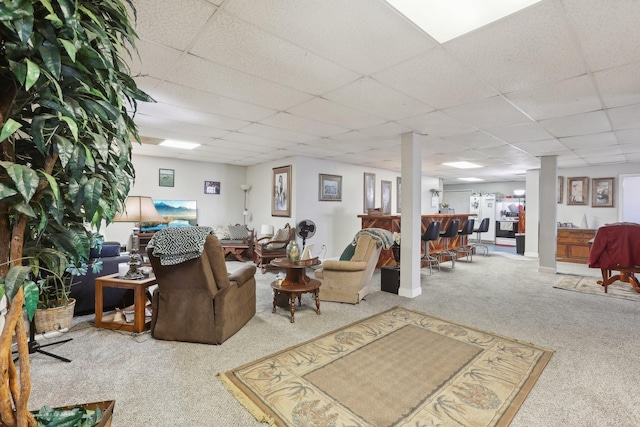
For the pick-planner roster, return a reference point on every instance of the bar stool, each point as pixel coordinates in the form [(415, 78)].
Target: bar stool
[(467, 248), (451, 231), (483, 228), (432, 233)]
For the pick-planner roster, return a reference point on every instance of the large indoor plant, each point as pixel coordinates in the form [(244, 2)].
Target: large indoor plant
[(65, 150)]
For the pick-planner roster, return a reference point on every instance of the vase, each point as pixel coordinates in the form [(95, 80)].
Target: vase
[(395, 249), (293, 251)]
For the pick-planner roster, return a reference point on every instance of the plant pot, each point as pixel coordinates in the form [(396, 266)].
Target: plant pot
[(56, 318)]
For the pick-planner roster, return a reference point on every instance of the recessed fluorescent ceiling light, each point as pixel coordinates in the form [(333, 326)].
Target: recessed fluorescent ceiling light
[(179, 144), (447, 19), (462, 165), (471, 179)]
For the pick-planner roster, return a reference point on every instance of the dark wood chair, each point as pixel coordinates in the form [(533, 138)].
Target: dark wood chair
[(267, 248)]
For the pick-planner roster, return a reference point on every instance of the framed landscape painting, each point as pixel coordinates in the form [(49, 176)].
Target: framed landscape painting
[(281, 191), (330, 188), (602, 196), (578, 190), (385, 190)]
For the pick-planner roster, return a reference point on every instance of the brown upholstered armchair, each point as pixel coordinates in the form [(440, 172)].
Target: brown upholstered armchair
[(198, 301), (268, 248), (350, 281)]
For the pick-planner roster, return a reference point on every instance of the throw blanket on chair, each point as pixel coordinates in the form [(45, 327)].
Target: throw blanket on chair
[(179, 244), (380, 235)]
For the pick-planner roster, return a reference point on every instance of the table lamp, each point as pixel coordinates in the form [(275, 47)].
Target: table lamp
[(137, 209)]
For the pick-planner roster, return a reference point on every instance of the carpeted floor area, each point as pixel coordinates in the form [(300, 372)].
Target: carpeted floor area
[(592, 378), (588, 285)]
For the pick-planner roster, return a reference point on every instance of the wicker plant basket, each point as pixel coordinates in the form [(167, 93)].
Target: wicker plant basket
[(53, 319)]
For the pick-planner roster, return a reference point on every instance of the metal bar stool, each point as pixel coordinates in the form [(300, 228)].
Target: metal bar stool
[(483, 228), (467, 248), (432, 233), (451, 231)]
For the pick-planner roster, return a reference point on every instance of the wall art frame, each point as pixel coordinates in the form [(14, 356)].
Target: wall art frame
[(166, 177), (385, 192), (602, 192), (212, 187), (329, 188), (560, 189), (281, 191), (578, 191), (369, 191), (399, 194)]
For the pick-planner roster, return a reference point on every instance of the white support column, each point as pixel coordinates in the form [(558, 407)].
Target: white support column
[(548, 213), (410, 218)]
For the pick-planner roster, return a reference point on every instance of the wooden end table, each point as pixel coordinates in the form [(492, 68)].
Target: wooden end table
[(295, 283), (139, 297)]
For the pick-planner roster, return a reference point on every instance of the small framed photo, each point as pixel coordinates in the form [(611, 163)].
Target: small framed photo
[(211, 187), (560, 185), (330, 188), (369, 191), (385, 190), (166, 177), (398, 194), (578, 190), (602, 193), (281, 191)]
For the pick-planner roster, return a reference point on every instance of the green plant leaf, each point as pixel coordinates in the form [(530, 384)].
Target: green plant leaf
[(51, 58), (64, 147), (92, 196), (31, 292), (25, 179), (73, 126), (19, 70), (33, 74), (9, 127), (70, 48), (14, 279), (6, 192), (25, 209)]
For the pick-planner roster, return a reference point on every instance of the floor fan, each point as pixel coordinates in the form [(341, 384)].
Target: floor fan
[(305, 229)]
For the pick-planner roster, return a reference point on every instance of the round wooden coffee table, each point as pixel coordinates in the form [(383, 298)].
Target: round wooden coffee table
[(295, 283)]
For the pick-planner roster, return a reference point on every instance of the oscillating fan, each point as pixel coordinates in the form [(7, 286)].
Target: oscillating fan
[(305, 229)]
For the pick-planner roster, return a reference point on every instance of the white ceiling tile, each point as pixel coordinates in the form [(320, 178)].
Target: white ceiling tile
[(376, 99), (338, 115), (626, 136), (170, 129), (579, 124), (571, 96), (607, 30), (541, 148), (619, 86), (437, 124), (625, 117), (239, 45), (436, 79), (245, 138), (571, 163), (594, 140), (521, 133), (488, 113), (170, 22), (153, 59), (632, 157), (630, 148), (303, 125), (587, 153), (341, 146), (386, 130), (365, 36), (188, 116), (277, 133), (475, 140), (197, 73), (524, 50), (305, 150)]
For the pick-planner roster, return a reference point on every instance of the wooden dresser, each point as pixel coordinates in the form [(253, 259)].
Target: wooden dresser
[(573, 244)]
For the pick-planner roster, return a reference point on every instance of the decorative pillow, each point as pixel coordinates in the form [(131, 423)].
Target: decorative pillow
[(222, 232), (281, 234), (348, 252), (238, 232)]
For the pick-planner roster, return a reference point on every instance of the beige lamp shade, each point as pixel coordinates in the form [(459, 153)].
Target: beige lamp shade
[(139, 209)]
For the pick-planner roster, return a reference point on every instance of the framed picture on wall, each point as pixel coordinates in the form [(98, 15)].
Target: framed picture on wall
[(560, 185), (166, 177), (369, 191), (578, 190), (398, 194), (602, 196), (330, 188), (385, 191), (281, 191), (211, 187)]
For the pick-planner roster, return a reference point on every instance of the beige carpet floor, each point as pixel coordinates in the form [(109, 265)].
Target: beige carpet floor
[(398, 368), (589, 285)]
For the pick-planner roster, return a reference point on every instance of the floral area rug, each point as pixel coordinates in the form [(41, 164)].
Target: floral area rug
[(400, 368), (589, 285)]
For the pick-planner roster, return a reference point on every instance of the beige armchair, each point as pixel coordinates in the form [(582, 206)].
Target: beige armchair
[(350, 281)]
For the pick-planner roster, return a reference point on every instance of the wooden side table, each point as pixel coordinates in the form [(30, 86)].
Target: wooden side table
[(294, 285), (139, 297)]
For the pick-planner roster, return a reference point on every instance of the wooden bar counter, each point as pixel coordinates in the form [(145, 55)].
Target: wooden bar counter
[(392, 223)]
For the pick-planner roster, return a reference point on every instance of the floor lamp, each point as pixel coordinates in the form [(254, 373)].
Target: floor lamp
[(137, 209), (245, 212)]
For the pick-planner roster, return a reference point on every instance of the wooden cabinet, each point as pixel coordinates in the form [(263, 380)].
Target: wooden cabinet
[(573, 244)]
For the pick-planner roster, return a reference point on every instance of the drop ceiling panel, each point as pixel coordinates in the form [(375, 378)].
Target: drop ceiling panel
[(154, 59), (579, 124), (189, 116), (390, 130), (571, 96), (437, 124), (628, 135), (476, 140), (589, 153), (172, 23), (239, 45), (625, 117), (604, 139), (619, 86), (365, 36), (340, 146), (527, 49), (376, 99), (488, 113), (630, 148), (277, 133), (200, 74), (242, 137), (303, 125), (521, 133), (436, 79), (607, 30), (335, 114), (541, 148)]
